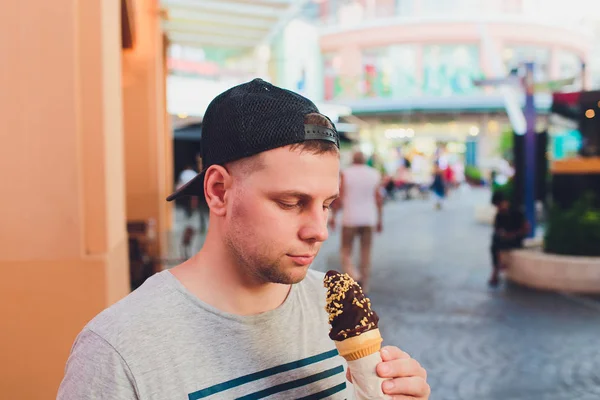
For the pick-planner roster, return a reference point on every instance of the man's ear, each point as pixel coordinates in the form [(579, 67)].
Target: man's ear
[(217, 182)]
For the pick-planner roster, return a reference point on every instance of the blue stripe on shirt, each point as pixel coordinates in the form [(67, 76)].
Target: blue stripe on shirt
[(294, 384), (325, 393), (261, 374)]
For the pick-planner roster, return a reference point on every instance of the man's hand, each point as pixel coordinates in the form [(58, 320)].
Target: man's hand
[(379, 227), (407, 380)]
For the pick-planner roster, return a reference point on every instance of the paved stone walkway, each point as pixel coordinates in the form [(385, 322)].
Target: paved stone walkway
[(430, 270)]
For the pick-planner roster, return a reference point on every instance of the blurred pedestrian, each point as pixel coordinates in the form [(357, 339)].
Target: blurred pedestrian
[(189, 203), (361, 197), (438, 187), (510, 229)]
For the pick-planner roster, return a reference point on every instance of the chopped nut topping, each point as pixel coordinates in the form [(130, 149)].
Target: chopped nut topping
[(349, 310)]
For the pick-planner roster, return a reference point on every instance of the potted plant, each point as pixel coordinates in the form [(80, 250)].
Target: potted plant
[(473, 175), (574, 231)]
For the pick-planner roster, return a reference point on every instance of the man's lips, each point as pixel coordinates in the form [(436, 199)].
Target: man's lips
[(302, 259)]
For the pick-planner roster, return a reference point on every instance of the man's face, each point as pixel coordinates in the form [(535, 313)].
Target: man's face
[(277, 217)]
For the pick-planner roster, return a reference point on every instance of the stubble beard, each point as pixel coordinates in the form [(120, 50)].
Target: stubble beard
[(256, 267)]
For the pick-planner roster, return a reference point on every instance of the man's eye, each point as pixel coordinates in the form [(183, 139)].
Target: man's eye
[(287, 206)]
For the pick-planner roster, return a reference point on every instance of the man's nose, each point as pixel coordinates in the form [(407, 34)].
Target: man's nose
[(314, 227)]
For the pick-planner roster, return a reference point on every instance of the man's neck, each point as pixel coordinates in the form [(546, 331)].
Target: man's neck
[(213, 277)]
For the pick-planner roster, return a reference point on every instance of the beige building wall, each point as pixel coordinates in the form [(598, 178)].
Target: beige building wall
[(84, 148), (148, 141)]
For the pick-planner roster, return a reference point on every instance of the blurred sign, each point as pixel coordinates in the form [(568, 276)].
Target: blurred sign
[(552, 86), (509, 80)]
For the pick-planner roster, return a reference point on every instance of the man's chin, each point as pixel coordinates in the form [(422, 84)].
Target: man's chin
[(295, 275)]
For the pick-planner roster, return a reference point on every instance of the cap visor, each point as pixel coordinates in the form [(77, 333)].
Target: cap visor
[(195, 187)]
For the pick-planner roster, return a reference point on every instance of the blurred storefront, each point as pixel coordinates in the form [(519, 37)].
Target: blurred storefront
[(401, 63)]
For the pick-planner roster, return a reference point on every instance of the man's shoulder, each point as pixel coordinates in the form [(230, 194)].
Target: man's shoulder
[(312, 285), (372, 171), (314, 278), (361, 169), (145, 306), (313, 295)]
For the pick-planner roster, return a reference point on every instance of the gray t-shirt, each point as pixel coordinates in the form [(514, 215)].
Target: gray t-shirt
[(161, 342)]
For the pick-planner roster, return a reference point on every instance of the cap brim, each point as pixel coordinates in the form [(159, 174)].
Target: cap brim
[(194, 187)]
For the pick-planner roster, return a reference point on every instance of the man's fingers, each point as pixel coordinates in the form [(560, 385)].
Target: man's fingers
[(412, 386), (348, 376), (393, 353), (406, 367), (408, 378), (401, 397)]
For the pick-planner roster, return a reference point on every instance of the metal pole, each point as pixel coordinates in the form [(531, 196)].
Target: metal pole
[(530, 148), (583, 76)]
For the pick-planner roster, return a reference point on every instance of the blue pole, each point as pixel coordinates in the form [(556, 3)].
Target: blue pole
[(530, 148), (471, 155)]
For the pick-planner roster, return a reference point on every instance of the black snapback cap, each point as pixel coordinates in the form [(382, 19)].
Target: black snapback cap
[(251, 118)]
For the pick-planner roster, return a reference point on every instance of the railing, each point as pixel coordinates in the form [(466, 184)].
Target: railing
[(335, 10), (356, 18)]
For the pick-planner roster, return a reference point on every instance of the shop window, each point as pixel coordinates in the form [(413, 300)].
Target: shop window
[(450, 69)]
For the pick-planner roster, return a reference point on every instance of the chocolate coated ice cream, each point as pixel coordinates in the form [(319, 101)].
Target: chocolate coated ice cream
[(349, 310)]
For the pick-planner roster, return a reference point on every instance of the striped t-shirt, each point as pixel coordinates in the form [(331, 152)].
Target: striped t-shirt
[(162, 342)]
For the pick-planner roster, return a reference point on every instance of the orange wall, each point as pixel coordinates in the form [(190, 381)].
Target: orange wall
[(63, 245), (147, 138), (44, 305)]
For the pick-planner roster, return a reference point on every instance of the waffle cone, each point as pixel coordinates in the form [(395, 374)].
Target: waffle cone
[(360, 346)]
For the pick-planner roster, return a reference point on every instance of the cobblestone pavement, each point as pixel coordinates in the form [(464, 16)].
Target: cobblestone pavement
[(430, 270)]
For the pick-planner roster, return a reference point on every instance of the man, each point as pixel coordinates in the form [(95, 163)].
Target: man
[(244, 317), (510, 229), (189, 205), (362, 206), (439, 186)]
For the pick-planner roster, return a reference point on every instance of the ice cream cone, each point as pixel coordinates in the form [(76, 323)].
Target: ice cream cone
[(360, 346)]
